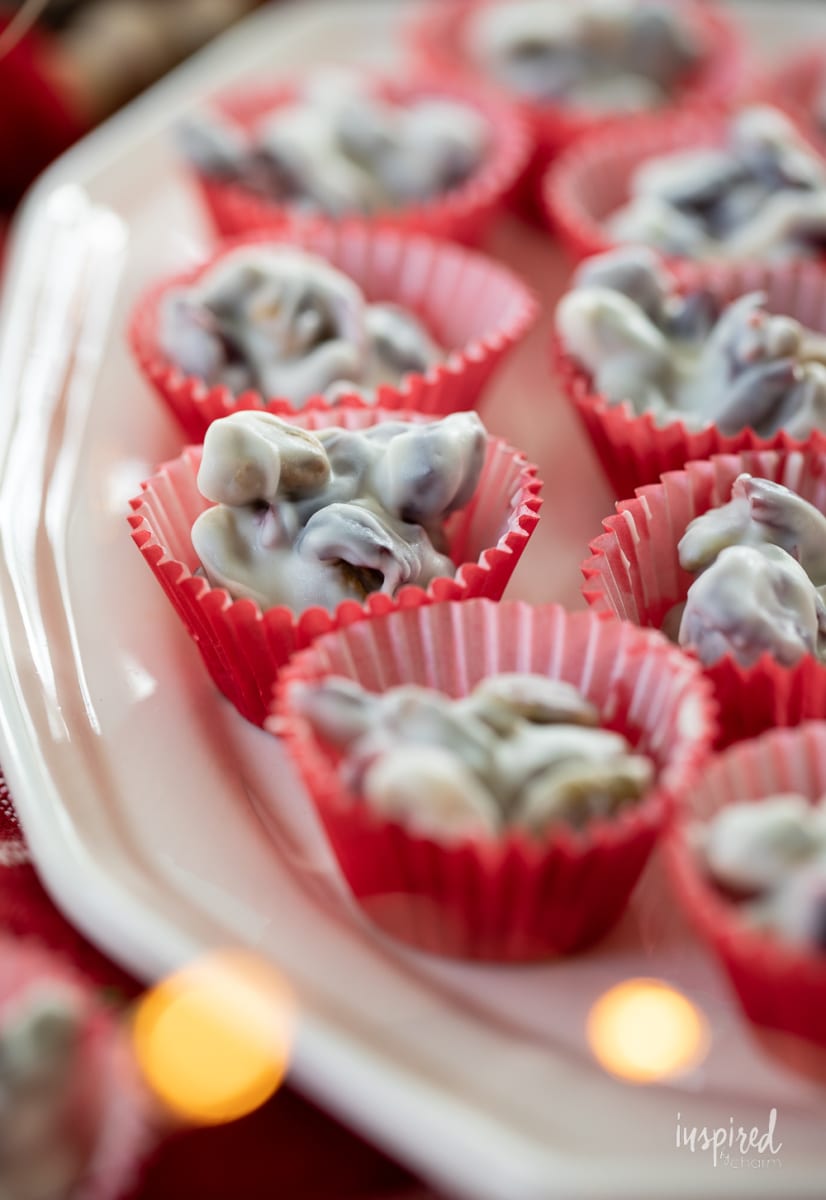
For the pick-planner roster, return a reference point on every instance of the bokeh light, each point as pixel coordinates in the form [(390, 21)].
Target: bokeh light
[(213, 1040), (643, 1030)]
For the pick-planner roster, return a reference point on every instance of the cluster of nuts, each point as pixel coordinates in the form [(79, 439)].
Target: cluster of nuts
[(679, 357), (761, 195), (603, 55), (761, 560), (521, 751), (311, 519), (287, 324), (771, 856), (339, 148)]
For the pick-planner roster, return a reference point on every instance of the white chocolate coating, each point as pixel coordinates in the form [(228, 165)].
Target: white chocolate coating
[(749, 848), (577, 791), (761, 558), (339, 148), (753, 600), (422, 718), (289, 325), (398, 345), (501, 700), (304, 519), (45, 1140), (599, 55), (796, 909), (679, 358), (628, 357), (762, 194), (458, 805), (771, 854), (519, 751), (760, 512)]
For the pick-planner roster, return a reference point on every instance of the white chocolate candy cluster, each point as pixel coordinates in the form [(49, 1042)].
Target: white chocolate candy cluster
[(520, 752), (761, 195), (338, 148), (46, 1136), (761, 563), (303, 519), (289, 325), (599, 55), (679, 357), (772, 856)]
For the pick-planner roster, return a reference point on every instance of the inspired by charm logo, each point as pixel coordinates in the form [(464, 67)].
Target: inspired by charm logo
[(733, 1146)]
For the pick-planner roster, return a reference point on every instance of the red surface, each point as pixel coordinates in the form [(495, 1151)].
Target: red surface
[(287, 1149)]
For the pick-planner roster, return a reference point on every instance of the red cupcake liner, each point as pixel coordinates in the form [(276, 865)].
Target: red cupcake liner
[(462, 214), (634, 450), (634, 573), (515, 898), (781, 987), (244, 648), (592, 179), (437, 34), (475, 307), (120, 1120)]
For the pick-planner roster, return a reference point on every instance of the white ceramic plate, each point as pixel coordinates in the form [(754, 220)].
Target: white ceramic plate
[(144, 795)]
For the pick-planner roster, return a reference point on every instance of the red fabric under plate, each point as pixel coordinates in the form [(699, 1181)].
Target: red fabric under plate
[(36, 125), (287, 1149)]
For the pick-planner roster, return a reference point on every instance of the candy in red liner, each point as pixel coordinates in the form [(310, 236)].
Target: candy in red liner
[(781, 987), (76, 1119), (463, 213), (635, 450), (634, 573), (244, 648), (591, 180), (438, 35), (513, 898), (474, 307)]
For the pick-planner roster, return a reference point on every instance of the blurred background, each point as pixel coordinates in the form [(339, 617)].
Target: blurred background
[(65, 65)]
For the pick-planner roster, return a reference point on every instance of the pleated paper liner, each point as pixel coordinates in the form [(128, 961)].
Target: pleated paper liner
[(473, 306), (111, 1107), (437, 35), (634, 573), (515, 898), (244, 648), (635, 450), (781, 987), (463, 213)]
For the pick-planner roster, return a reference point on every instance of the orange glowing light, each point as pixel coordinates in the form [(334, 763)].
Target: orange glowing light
[(213, 1039), (643, 1030)]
